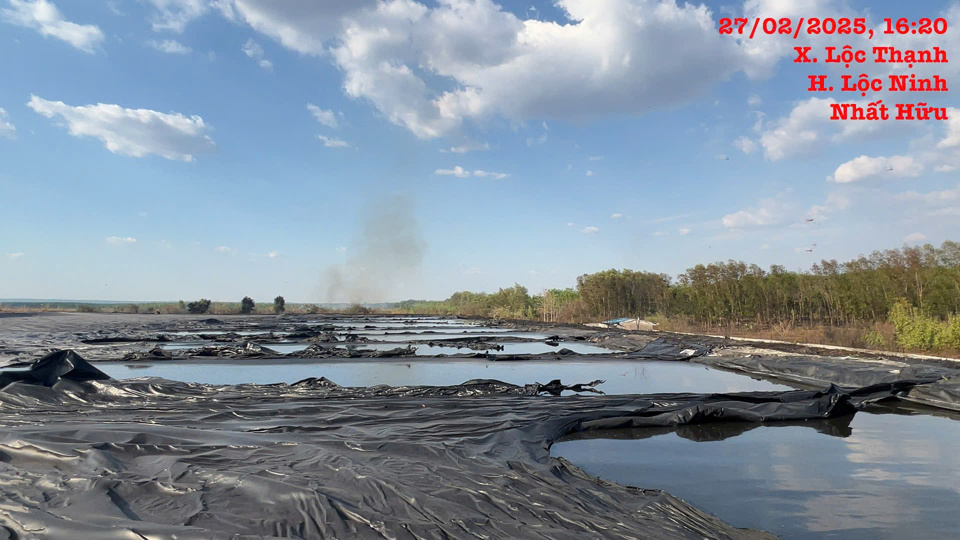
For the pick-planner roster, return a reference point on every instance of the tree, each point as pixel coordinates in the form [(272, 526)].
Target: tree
[(247, 305), (279, 305), (199, 307)]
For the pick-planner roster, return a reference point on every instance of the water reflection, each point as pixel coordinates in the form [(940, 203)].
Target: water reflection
[(881, 474), (622, 377)]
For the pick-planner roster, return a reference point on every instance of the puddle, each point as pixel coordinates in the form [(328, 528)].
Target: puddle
[(626, 377), (881, 476)]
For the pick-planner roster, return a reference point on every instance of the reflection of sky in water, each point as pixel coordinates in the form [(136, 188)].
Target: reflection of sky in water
[(895, 476), (623, 377)]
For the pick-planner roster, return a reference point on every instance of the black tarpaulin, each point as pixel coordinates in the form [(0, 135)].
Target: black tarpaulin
[(154, 458), (670, 349)]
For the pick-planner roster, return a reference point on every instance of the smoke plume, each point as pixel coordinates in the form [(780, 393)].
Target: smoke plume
[(386, 256)]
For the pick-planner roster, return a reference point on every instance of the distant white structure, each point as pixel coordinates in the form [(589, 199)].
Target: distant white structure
[(627, 323)]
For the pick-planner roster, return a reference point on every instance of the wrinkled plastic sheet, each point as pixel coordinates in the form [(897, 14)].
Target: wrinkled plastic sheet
[(84, 457), (940, 388), (671, 349)]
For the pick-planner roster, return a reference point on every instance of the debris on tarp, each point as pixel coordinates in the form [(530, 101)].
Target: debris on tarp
[(628, 323)]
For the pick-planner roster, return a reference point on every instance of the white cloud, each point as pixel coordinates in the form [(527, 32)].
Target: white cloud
[(767, 212), (754, 100), (590, 230), (170, 46), (684, 232), (808, 127), (834, 203), (121, 240), (325, 117), (765, 247), (457, 171), (460, 172), (941, 156), (225, 249), (932, 198), (44, 17), (14, 256), (301, 25), (273, 254), (463, 149), (745, 144), (914, 238), (132, 132), (658, 233), (331, 142), (342, 249), (542, 139), (166, 244), (589, 173), (604, 56), (952, 139), (485, 174), (253, 49), (595, 158), (174, 15), (7, 130), (616, 216), (865, 167)]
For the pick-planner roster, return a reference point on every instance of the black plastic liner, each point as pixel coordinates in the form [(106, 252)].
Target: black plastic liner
[(940, 388), (53, 368), (152, 458), (671, 349)]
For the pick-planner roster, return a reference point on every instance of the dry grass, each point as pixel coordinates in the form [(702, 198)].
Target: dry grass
[(878, 336)]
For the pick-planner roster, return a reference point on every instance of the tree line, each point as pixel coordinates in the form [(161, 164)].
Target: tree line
[(921, 281)]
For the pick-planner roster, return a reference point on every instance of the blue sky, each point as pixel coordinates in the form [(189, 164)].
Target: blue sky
[(172, 149)]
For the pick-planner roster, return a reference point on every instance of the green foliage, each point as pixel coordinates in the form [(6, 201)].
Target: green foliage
[(917, 330), (875, 339), (247, 305), (279, 305), (623, 293), (199, 307)]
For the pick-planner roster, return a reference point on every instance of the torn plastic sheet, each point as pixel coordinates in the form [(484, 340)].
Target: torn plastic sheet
[(147, 457)]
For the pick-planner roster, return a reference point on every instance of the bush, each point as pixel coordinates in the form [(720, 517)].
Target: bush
[(199, 307), (279, 305), (875, 339), (247, 305), (916, 330)]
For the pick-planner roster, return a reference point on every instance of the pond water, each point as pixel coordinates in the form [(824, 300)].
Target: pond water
[(877, 476), (622, 377)]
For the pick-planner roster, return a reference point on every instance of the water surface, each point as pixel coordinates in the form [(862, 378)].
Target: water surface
[(622, 377), (877, 476)]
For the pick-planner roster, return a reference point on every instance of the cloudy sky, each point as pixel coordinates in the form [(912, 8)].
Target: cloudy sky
[(168, 149)]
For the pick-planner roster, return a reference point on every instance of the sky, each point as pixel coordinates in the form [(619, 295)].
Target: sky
[(379, 150)]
